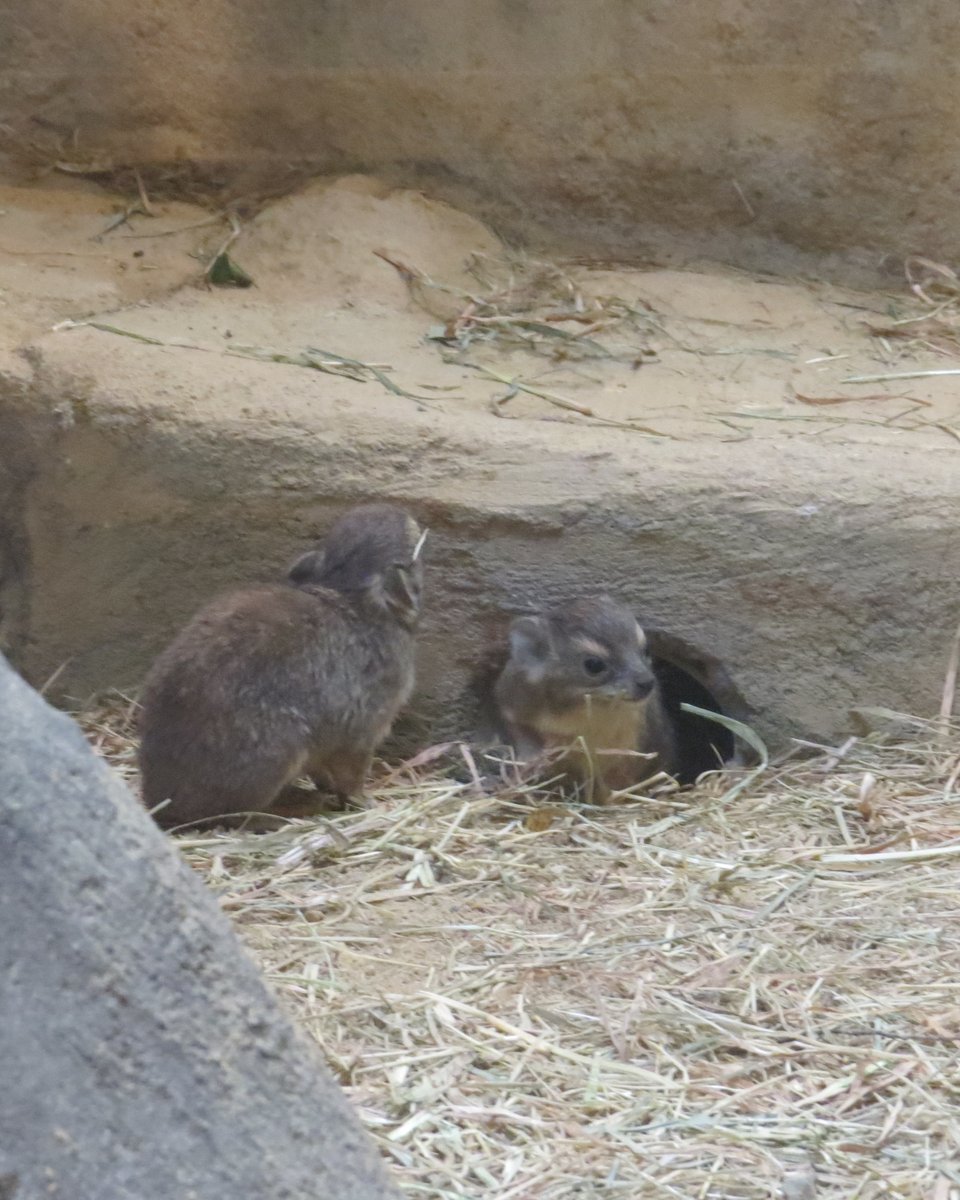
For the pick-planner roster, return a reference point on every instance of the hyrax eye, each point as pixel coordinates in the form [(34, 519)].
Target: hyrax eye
[(594, 666)]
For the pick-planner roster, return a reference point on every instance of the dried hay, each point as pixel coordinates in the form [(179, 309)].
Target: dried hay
[(932, 324), (524, 303), (691, 997)]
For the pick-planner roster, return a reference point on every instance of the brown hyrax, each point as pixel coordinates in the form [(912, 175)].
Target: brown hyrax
[(276, 681), (578, 678)]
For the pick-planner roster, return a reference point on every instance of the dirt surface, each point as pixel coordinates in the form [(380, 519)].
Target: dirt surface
[(60, 258), (728, 481), (710, 346)]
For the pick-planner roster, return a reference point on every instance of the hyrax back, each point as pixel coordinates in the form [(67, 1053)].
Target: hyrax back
[(276, 681), (578, 677)]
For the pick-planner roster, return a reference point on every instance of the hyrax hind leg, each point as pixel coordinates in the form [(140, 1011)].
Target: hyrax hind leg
[(343, 773), (262, 794)]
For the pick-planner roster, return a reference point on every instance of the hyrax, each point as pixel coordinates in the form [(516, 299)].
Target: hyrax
[(272, 682), (578, 679)]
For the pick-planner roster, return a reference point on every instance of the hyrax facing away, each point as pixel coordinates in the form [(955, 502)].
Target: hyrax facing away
[(578, 677), (276, 681)]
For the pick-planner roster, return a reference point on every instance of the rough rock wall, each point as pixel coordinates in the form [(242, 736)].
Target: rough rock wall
[(142, 1053), (743, 126), (142, 512)]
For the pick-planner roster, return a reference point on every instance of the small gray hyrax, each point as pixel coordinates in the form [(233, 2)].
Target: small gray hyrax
[(276, 681), (578, 681)]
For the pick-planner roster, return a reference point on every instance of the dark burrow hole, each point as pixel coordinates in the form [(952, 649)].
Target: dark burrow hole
[(688, 675)]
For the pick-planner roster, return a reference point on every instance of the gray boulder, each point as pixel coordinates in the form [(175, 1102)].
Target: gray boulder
[(143, 1056)]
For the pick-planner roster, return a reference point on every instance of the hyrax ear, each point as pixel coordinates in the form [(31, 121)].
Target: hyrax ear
[(401, 592), (529, 640), (307, 568)]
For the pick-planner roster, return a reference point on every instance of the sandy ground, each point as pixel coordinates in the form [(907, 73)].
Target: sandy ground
[(703, 353)]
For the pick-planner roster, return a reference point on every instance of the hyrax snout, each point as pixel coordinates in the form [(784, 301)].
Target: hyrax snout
[(578, 681), (271, 682)]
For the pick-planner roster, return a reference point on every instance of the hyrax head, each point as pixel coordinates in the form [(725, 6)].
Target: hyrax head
[(587, 648), (374, 551)]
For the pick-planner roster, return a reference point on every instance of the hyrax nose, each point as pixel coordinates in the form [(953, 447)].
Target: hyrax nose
[(642, 686)]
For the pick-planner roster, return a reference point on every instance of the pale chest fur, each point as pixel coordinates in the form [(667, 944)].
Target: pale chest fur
[(603, 737), (601, 725)]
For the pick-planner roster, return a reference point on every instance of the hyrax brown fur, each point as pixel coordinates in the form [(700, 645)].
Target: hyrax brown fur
[(578, 681), (272, 682)]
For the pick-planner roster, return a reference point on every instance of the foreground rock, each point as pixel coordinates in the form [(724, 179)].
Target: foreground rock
[(144, 1057)]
